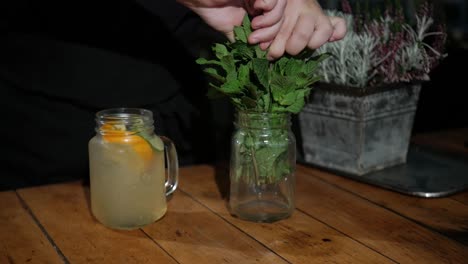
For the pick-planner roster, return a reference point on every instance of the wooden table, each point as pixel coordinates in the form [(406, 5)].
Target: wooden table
[(337, 221)]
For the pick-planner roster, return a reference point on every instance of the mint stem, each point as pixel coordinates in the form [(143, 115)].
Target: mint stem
[(255, 165)]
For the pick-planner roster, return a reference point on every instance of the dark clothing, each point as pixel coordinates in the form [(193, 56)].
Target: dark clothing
[(61, 61)]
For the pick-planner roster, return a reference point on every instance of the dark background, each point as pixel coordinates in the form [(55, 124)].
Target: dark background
[(61, 61)]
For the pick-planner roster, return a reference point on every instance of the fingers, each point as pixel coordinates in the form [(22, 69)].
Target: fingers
[(265, 45), (293, 26), (301, 35), (230, 36), (265, 5), (266, 34), (323, 32), (309, 31), (270, 16), (249, 7), (339, 28), (278, 45)]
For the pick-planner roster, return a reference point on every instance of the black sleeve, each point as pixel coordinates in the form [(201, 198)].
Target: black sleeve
[(61, 61)]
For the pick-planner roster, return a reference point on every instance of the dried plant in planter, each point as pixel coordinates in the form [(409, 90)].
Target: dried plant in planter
[(383, 48), (360, 118)]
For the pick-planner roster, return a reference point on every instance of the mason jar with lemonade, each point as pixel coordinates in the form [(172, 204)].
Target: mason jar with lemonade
[(127, 169)]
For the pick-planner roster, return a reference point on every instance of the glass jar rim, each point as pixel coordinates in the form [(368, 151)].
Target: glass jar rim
[(262, 120), (134, 119), (124, 112)]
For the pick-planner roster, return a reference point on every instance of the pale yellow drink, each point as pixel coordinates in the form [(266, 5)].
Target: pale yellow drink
[(127, 189), (127, 169)]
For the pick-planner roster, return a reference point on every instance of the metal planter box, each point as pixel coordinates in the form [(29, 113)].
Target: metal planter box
[(358, 133)]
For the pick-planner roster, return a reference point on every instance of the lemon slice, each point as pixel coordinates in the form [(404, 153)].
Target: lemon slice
[(116, 133)]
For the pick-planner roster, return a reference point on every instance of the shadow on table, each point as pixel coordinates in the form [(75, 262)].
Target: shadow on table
[(222, 179), (182, 230), (87, 195)]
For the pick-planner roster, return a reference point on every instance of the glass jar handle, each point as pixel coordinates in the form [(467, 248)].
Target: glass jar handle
[(172, 166)]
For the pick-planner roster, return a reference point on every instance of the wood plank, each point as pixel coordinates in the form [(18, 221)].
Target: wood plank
[(21, 240), (391, 234), (299, 239), (461, 197), (193, 234), (63, 210), (442, 214)]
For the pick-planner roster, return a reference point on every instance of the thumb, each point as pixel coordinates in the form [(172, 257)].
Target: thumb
[(230, 35)]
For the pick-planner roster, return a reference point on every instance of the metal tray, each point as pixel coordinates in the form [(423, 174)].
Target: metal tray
[(427, 173)]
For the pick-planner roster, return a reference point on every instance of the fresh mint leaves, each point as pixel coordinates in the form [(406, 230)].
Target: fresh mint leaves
[(243, 73), (255, 86)]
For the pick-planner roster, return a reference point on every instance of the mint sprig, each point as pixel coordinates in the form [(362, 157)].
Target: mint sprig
[(242, 73), (252, 83)]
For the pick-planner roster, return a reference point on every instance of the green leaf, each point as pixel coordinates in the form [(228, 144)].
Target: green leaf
[(242, 50), (232, 76), (278, 109), (246, 25), (313, 62), (220, 50), (298, 104), (260, 67), (302, 80), (261, 54), (203, 61), (214, 74), (232, 87), (266, 102), (289, 98), (292, 67), (267, 157), (310, 67), (312, 80), (280, 86), (280, 65), (243, 75), (239, 34), (282, 165), (228, 64)]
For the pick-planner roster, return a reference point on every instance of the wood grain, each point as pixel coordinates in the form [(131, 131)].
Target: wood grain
[(442, 214), (391, 234), (63, 210), (21, 240), (461, 197), (300, 239), (193, 234)]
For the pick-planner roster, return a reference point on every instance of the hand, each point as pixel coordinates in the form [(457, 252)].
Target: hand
[(303, 24), (223, 15)]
